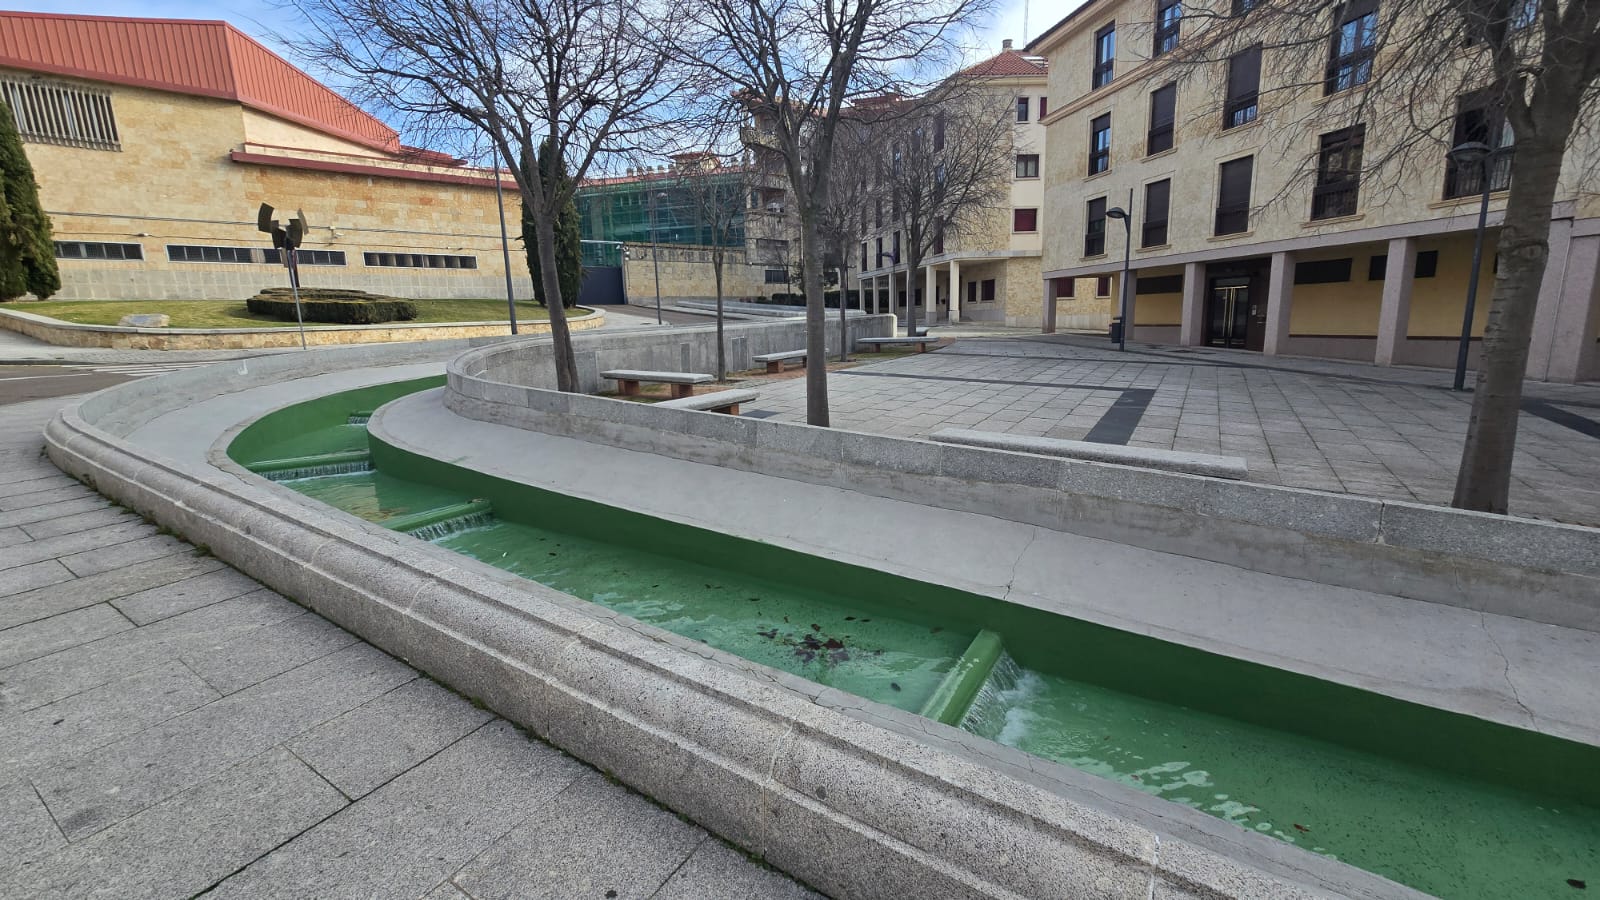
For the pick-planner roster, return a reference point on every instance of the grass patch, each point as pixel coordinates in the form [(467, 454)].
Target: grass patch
[(232, 313)]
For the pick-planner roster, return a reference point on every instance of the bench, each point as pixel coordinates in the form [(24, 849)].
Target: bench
[(775, 361), (877, 343), (683, 383), (1233, 467), (718, 401)]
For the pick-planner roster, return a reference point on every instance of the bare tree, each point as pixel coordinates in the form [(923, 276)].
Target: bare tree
[(590, 77), (718, 193), (790, 66), (1530, 67), (946, 168), (841, 221)]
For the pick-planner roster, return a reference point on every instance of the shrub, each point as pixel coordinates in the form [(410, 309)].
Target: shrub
[(333, 306)]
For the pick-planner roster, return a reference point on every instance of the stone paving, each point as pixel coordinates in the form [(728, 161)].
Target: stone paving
[(169, 727), (1393, 433)]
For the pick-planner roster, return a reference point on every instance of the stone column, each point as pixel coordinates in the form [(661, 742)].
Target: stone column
[(1572, 350), (1193, 332), (1049, 307), (955, 291), (930, 296), (1280, 299), (1399, 275), (1548, 308)]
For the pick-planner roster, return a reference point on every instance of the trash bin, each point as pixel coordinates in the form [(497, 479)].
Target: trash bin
[(1115, 331)]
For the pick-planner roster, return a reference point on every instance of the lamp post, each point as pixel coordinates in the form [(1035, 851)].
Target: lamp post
[(505, 247), (1480, 156), (655, 251), (1126, 215)]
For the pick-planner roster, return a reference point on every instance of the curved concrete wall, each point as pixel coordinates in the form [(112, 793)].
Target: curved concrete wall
[(856, 809)]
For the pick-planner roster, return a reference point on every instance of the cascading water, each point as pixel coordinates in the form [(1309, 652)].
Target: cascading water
[(359, 419), (454, 525), (986, 716), (319, 471)]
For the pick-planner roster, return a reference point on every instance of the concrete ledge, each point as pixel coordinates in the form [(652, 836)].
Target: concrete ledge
[(1232, 467), (117, 337), (855, 809), (1543, 571)]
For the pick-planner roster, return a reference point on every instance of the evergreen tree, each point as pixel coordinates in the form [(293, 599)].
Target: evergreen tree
[(569, 247), (27, 250)]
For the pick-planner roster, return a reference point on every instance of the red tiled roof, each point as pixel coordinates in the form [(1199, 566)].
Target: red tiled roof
[(1007, 63), (206, 58)]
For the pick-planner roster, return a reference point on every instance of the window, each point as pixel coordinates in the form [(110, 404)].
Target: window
[(1027, 165), (938, 132), (97, 250), (988, 291), (1022, 109), (1354, 43), (972, 292), (1157, 200), (420, 261), (864, 265), (880, 253), (1427, 264), (1163, 112), (1378, 267), (1044, 104), (1094, 228), (1100, 144), (1168, 13), (1105, 56), (938, 238), (775, 276), (1063, 288), (1323, 271), (1233, 196), (1480, 118), (1158, 284), (192, 253), (1024, 220), (1102, 285), (896, 248), (306, 257), (1244, 87), (1338, 173), (53, 112)]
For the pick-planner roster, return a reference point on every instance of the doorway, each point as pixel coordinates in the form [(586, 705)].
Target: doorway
[(1236, 310)]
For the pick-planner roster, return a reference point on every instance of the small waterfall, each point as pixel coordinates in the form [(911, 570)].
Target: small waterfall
[(359, 419), (986, 716), (452, 525), (318, 471)]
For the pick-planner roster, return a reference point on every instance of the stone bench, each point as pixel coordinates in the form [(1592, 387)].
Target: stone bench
[(775, 361), (717, 401), (1233, 467), (683, 383), (878, 343)]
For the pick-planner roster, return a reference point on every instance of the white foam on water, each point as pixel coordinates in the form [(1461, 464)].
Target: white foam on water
[(322, 471), (455, 525)]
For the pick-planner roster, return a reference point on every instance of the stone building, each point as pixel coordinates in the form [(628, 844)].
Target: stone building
[(155, 141), (989, 273), (1255, 225)]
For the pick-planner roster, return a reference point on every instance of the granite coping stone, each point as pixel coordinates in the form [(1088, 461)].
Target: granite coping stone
[(1232, 467)]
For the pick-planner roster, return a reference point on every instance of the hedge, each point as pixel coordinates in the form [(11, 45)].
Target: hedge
[(332, 306)]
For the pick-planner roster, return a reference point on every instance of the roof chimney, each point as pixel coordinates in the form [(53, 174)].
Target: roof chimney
[(1005, 44)]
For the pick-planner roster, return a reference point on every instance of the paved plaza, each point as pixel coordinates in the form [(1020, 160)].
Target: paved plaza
[(169, 727), (1392, 433)]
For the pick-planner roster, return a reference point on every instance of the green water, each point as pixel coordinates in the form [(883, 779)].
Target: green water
[(1447, 835), (1444, 803)]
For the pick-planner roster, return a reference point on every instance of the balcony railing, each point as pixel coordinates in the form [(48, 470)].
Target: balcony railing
[(1335, 199), (1233, 219), (1240, 110), (1468, 181)]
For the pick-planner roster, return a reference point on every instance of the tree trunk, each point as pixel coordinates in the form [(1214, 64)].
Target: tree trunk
[(844, 325), (816, 320), (560, 335), (1484, 479), (913, 260), (722, 353)]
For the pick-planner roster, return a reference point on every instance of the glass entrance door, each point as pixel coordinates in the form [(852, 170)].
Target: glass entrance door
[(1228, 313)]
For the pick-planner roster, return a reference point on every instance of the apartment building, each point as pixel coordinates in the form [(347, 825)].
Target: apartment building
[(1254, 224), (154, 142), (990, 272)]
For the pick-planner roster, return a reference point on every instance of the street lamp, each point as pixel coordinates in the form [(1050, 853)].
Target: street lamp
[(1117, 212), (655, 250), (1480, 156)]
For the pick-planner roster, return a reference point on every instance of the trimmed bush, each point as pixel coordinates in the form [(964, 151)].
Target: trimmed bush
[(336, 307)]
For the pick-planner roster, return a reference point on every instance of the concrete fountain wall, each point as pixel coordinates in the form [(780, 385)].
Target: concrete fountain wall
[(857, 808)]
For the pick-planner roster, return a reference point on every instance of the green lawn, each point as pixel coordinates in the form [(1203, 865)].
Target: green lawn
[(232, 314)]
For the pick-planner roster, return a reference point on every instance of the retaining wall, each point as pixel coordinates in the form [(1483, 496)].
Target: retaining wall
[(1531, 569), (120, 337)]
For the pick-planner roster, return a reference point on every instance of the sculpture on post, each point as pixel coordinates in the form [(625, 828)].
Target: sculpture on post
[(287, 242)]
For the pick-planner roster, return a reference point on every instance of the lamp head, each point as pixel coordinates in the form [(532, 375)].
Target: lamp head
[(1470, 153), (1116, 212)]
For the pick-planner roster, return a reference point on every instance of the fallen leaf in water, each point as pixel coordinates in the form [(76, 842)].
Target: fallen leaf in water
[(815, 627), (895, 685), (1578, 883), (833, 643), (1299, 827)]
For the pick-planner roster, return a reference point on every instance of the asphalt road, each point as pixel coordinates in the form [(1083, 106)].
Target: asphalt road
[(37, 382)]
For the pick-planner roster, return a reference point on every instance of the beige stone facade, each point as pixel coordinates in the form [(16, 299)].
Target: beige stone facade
[(990, 273), (191, 172), (1377, 274)]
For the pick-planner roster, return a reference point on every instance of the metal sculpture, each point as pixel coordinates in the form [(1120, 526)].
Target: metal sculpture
[(287, 242)]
